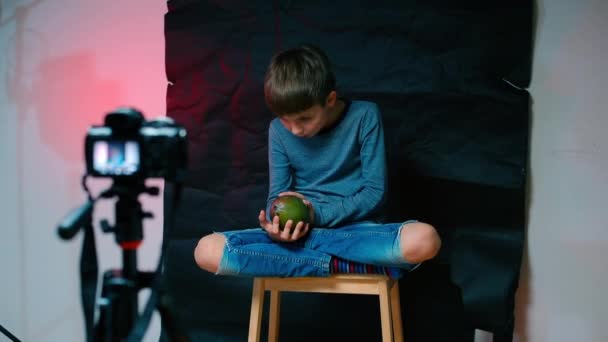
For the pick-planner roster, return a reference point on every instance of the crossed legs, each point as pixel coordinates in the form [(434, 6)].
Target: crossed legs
[(418, 242)]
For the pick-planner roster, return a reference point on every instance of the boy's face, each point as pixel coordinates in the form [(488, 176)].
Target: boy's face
[(306, 124), (310, 122)]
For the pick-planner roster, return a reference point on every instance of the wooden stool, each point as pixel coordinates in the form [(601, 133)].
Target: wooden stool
[(386, 288)]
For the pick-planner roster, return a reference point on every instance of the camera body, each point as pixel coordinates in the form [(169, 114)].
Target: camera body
[(128, 146)]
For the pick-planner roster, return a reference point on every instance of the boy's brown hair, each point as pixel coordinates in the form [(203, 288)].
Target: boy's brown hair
[(298, 79)]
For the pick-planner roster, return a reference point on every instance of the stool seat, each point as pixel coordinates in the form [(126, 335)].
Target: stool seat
[(387, 290)]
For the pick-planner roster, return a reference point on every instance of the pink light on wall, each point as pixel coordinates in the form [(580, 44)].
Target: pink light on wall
[(69, 95)]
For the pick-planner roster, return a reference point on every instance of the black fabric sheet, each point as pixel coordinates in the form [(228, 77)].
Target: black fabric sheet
[(450, 80)]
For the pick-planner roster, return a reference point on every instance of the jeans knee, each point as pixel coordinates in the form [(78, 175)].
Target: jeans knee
[(208, 252), (419, 242)]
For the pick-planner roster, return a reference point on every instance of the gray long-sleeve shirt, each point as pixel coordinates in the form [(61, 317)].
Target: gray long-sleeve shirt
[(341, 171)]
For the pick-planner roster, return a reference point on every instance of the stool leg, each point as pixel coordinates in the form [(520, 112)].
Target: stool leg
[(385, 312), (257, 307), (275, 316), (396, 312)]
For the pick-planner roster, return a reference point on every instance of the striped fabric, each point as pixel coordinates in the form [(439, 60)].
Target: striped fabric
[(338, 265)]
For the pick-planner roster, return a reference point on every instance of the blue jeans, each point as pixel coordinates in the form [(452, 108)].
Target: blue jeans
[(251, 252)]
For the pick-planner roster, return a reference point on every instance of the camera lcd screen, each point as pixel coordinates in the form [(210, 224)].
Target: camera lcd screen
[(116, 157)]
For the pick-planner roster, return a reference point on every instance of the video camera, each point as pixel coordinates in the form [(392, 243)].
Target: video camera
[(128, 149), (128, 146)]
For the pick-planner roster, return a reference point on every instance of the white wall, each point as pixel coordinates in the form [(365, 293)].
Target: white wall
[(64, 65), (78, 59), (563, 295)]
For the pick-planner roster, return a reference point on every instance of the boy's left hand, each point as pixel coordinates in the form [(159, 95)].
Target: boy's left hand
[(291, 232)]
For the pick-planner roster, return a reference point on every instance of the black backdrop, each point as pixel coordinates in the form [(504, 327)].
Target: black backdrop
[(450, 79)]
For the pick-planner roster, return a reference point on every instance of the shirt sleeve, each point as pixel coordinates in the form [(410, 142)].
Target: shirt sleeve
[(370, 196), (279, 168)]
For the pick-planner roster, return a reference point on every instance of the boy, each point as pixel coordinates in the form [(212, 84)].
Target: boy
[(330, 152)]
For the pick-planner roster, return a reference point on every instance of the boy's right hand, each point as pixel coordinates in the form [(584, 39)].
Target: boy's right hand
[(289, 233)]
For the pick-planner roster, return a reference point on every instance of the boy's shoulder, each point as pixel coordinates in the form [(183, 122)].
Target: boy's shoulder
[(363, 110), (361, 105)]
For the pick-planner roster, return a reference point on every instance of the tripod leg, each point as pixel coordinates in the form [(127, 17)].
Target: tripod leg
[(168, 322), (104, 328)]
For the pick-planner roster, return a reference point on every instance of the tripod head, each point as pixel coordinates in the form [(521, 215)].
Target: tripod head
[(128, 211)]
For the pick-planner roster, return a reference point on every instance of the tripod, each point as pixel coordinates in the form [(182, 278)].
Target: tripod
[(119, 295), (118, 303)]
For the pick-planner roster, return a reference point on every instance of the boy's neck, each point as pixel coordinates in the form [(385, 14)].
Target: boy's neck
[(335, 113)]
